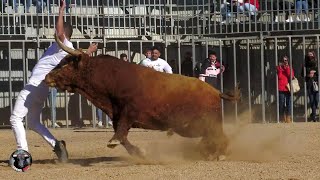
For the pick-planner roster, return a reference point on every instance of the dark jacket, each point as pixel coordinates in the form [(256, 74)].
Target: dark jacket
[(311, 65), (186, 68)]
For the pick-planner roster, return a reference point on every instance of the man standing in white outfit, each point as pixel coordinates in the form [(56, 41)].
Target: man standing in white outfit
[(31, 99), (156, 62)]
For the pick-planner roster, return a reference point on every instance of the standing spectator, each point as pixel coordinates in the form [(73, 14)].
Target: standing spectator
[(14, 5), (311, 66), (186, 67), (99, 117), (52, 101), (284, 71), (249, 6), (147, 54), (210, 70), (228, 7), (124, 57), (280, 6), (156, 62), (197, 69), (302, 5), (173, 64)]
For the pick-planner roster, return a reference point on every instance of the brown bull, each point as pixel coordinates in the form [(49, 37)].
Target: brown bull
[(136, 96)]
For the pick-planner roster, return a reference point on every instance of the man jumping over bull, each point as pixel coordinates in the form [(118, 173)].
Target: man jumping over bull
[(30, 100)]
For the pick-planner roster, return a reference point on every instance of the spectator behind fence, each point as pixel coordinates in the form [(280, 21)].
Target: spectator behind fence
[(40, 5), (124, 57), (283, 71), (302, 10), (14, 5), (147, 54), (282, 6), (250, 7), (211, 69), (99, 118), (187, 64), (53, 106), (173, 64), (156, 62), (311, 79)]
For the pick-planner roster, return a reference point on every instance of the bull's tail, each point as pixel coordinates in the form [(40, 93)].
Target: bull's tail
[(232, 96)]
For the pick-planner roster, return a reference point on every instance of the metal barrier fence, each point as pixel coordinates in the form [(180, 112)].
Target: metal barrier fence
[(251, 61), (156, 19)]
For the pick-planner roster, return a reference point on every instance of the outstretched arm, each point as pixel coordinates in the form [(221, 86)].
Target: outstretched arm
[(92, 48), (59, 27)]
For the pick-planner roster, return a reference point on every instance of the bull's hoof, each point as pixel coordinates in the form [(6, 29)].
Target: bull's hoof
[(113, 143)]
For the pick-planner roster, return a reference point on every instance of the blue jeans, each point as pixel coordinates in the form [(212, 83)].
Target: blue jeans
[(250, 10), (52, 101), (284, 103), (99, 114), (14, 4), (313, 101), (301, 5), (42, 4)]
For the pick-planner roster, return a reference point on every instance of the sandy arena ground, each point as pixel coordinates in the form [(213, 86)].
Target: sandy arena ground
[(258, 151)]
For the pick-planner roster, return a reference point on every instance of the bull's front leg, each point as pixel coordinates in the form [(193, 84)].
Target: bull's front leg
[(121, 127)]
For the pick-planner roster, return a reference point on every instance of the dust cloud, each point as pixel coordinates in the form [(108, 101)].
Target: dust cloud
[(248, 142)]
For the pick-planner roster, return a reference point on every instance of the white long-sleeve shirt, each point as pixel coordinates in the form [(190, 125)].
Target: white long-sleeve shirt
[(158, 65)]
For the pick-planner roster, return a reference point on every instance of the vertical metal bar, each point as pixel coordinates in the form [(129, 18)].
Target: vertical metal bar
[(166, 50), (318, 67), (66, 101), (179, 56), (221, 80), (193, 53), (291, 92), (305, 82), (24, 63), (116, 48), (52, 108), (235, 75), (277, 82), (262, 80), (10, 76), (129, 51), (249, 80)]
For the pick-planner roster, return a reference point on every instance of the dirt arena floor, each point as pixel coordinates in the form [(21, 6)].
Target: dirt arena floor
[(258, 151)]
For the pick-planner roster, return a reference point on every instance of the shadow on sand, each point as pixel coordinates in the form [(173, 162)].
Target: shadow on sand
[(119, 161)]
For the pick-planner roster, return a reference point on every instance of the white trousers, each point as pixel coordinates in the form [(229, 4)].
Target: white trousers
[(29, 103)]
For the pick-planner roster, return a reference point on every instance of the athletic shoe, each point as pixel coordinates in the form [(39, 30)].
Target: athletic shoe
[(100, 124), (61, 151)]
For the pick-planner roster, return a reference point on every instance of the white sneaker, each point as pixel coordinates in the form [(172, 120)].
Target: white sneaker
[(223, 22), (290, 19), (276, 19), (307, 19), (110, 123), (298, 19), (56, 125), (100, 124)]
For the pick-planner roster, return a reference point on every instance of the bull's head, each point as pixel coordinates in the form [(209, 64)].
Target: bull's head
[(66, 73)]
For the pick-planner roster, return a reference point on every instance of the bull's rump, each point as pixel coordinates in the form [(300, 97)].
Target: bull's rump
[(168, 101)]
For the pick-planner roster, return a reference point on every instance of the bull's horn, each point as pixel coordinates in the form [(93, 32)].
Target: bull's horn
[(65, 48)]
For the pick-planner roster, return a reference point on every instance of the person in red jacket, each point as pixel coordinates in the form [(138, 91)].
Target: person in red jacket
[(283, 71)]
